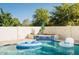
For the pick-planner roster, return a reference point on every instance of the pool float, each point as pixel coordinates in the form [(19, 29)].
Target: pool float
[(68, 43), (28, 44)]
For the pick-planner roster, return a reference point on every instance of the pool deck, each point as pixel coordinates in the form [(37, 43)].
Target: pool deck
[(18, 40), (12, 41)]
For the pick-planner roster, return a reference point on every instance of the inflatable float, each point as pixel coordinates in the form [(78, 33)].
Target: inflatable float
[(28, 44), (68, 43)]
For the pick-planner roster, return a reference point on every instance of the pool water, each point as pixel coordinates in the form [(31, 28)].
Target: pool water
[(47, 48)]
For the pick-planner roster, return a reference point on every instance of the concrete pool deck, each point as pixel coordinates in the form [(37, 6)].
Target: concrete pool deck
[(15, 41), (12, 41)]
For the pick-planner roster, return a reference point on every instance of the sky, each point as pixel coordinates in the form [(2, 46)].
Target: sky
[(25, 10)]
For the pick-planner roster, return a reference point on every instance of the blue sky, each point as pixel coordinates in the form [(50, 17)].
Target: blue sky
[(25, 10)]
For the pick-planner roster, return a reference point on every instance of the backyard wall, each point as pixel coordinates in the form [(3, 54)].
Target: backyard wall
[(16, 33), (8, 33)]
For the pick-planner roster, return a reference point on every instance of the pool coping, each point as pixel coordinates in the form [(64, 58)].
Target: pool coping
[(10, 42)]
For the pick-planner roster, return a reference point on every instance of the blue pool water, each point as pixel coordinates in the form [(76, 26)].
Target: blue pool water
[(47, 48)]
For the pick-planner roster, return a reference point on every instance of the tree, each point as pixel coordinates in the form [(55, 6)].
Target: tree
[(65, 14), (41, 16), (74, 13), (59, 16), (6, 19), (16, 22), (26, 22), (1, 16)]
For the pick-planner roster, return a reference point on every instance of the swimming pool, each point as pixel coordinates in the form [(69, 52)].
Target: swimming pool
[(47, 48)]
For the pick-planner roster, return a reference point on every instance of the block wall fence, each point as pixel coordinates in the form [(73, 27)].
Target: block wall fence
[(16, 33)]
